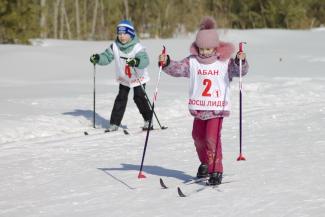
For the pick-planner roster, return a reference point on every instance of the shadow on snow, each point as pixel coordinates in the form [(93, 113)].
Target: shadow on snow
[(153, 170), (88, 114)]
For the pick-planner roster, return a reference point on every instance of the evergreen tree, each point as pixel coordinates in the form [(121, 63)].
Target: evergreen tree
[(19, 21)]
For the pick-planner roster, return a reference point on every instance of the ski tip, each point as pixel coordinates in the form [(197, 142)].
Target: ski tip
[(126, 132), (162, 184), (164, 127), (180, 193), (86, 133)]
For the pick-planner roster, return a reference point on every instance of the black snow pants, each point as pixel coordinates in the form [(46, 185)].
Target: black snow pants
[(122, 99)]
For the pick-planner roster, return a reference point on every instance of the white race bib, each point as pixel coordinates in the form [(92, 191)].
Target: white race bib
[(129, 77), (209, 86)]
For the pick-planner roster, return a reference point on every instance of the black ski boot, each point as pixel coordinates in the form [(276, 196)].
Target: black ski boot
[(202, 172), (215, 179), (146, 126)]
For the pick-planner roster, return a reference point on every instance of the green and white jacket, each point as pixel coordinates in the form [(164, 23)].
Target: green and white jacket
[(120, 52)]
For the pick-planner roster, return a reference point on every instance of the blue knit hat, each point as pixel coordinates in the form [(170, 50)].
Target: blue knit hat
[(126, 27)]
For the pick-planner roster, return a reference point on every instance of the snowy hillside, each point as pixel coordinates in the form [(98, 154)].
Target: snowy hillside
[(50, 168)]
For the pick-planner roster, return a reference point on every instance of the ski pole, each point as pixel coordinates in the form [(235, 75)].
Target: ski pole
[(241, 156), (141, 175), (94, 98), (147, 98)]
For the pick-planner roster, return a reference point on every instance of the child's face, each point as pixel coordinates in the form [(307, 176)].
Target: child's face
[(206, 52), (124, 38)]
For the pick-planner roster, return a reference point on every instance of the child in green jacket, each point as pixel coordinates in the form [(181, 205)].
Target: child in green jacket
[(131, 62)]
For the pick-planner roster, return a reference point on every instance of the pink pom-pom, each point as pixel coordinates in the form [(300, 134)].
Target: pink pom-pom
[(208, 23)]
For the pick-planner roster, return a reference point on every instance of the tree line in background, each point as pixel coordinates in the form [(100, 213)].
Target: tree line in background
[(21, 20)]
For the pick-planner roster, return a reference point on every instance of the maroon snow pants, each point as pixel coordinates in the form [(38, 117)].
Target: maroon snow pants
[(207, 137)]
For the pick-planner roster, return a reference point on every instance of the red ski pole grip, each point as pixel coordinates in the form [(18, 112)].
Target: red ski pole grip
[(241, 46), (161, 63)]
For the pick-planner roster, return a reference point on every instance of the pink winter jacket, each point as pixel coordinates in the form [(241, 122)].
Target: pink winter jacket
[(182, 69)]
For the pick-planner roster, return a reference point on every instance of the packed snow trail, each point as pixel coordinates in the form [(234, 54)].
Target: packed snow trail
[(50, 168)]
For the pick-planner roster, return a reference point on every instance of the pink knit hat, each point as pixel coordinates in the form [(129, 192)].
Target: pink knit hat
[(207, 36)]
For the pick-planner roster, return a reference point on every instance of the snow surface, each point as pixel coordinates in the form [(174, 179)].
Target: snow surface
[(50, 168)]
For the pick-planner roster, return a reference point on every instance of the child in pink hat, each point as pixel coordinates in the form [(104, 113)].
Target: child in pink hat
[(210, 69)]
